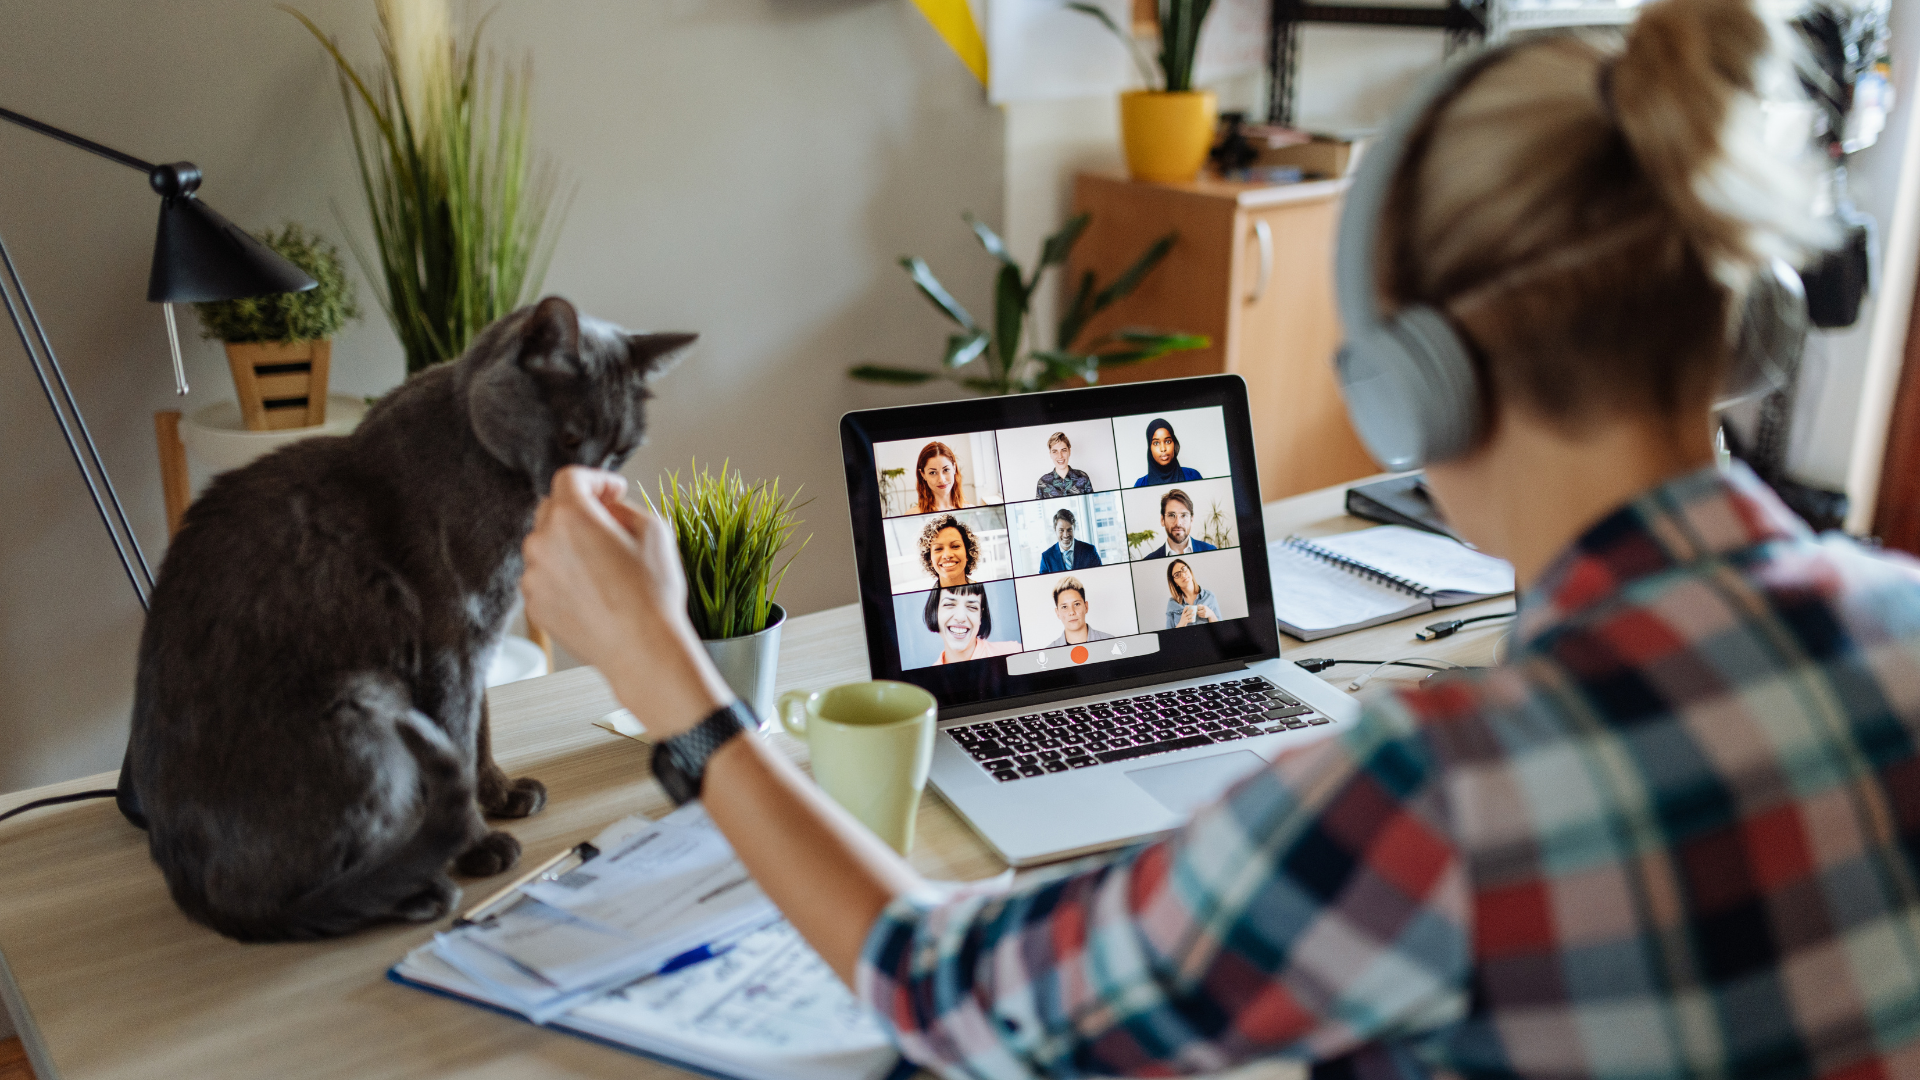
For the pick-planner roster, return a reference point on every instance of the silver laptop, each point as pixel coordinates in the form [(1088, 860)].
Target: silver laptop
[(1080, 578)]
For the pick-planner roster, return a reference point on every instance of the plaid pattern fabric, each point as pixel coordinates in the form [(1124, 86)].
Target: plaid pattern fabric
[(1675, 835)]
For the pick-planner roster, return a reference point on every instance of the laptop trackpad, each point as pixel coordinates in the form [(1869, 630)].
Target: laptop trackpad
[(1185, 786)]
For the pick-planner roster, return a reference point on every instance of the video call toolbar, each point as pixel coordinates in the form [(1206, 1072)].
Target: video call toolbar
[(1050, 540)]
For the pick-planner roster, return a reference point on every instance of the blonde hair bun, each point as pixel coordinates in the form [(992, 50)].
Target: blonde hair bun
[(1590, 218), (1693, 93)]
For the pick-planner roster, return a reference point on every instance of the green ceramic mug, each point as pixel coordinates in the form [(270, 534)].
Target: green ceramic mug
[(872, 745)]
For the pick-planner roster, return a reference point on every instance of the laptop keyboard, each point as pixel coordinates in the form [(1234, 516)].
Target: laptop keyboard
[(1086, 735)]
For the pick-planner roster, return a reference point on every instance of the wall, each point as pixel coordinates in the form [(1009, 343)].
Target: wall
[(746, 168)]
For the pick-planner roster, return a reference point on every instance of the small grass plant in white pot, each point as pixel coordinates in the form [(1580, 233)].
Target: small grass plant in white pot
[(734, 540)]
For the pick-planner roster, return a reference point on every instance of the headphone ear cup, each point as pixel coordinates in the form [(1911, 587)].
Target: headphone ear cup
[(1772, 336), (1410, 390)]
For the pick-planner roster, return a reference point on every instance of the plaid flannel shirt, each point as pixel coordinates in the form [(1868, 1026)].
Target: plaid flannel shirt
[(1674, 835)]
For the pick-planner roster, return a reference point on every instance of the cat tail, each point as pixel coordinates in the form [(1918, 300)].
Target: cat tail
[(411, 883)]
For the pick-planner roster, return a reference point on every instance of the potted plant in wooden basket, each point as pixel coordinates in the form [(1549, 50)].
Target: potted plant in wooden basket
[(732, 535), (1167, 128), (279, 347)]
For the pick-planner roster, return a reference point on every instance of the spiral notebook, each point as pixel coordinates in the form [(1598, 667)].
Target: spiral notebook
[(1332, 584)]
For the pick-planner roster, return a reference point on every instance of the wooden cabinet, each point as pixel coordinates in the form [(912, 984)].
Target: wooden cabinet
[(1252, 270)]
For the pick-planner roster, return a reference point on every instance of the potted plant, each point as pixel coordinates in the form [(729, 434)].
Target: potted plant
[(1167, 128), (461, 210), (1004, 368), (731, 536), (279, 346)]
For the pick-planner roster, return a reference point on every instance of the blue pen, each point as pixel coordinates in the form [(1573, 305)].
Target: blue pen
[(693, 956)]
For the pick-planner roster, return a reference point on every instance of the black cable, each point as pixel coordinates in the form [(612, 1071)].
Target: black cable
[(78, 796), (1447, 627), (1322, 663)]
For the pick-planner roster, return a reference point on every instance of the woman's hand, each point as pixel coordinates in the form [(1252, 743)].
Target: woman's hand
[(1186, 616), (1206, 613), (604, 578)]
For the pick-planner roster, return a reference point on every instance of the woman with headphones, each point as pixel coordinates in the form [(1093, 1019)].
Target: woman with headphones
[(1673, 835)]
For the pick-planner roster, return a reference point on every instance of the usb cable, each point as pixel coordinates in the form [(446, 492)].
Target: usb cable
[(1447, 627)]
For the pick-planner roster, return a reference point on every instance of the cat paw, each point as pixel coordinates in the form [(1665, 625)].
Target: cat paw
[(519, 798), (430, 903), (495, 853)]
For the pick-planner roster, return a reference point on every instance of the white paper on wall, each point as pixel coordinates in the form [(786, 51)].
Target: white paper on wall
[(1041, 50), (1234, 40)]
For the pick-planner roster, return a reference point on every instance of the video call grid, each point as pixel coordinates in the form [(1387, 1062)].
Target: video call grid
[(1007, 507)]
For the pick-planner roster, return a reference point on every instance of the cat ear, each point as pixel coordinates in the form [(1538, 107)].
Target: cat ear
[(551, 339), (653, 355)]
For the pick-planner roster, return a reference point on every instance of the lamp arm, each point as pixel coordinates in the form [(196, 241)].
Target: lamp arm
[(71, 139)]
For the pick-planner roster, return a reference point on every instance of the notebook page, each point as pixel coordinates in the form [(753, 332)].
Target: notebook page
[(1454, 571), (1313, 598)]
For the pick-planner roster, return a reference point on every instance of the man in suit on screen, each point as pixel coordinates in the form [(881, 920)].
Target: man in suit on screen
[(1068, 554)]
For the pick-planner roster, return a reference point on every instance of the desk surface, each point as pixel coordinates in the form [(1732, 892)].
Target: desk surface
[(107, 979)]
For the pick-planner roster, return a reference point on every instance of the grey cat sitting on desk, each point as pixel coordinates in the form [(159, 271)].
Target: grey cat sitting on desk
[(310, 748)]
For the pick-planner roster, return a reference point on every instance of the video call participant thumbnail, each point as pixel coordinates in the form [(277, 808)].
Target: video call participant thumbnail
[(1068, 554), (936, 479), (949, 551), (1163, 457), (963, 619), (1062, 479), (1071, 608), (1176, 519), (1189, 602)]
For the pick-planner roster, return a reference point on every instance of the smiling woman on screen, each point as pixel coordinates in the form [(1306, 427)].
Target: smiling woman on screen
[(949, 551), (936, 477), (964, 620)]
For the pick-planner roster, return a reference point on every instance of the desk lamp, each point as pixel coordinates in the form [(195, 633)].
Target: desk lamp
[(197, 256)]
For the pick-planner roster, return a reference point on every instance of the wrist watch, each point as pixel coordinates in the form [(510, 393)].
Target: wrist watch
[(680, 763)]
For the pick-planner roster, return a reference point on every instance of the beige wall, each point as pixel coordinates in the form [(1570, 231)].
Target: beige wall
[(747, 168)]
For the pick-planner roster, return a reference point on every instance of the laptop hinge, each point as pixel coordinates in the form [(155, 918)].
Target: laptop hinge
[(975, 708)]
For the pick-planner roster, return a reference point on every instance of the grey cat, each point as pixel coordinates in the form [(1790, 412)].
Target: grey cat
[(310, 746)]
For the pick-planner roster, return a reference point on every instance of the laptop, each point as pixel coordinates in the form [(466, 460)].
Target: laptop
[(1080, 578)]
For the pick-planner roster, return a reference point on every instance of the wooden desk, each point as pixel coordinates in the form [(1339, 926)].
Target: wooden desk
[(106, 979)]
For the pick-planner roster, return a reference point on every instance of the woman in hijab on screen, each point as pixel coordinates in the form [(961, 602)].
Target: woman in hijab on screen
[(1163, 457)]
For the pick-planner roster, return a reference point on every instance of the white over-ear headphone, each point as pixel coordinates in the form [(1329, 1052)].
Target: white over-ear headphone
[(1408, 378)]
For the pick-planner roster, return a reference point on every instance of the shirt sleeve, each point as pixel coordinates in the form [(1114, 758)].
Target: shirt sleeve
[(1319, 906)]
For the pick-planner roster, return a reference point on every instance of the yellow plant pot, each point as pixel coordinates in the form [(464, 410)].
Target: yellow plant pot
[(1167, 134)]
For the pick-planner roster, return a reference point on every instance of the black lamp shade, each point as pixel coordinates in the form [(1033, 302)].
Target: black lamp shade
[(200, 256)]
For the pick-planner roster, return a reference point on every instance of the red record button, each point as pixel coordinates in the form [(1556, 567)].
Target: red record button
[(1079, 654)]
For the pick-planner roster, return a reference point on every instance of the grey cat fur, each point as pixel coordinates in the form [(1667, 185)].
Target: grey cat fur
[(310, 749)]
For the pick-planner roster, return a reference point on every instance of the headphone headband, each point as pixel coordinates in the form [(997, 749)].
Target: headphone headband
[(1409, 379)]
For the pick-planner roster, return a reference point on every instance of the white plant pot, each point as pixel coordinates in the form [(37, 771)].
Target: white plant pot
[(749, 664)]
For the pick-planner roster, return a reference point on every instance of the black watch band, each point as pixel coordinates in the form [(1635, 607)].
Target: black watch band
[(680, 763)]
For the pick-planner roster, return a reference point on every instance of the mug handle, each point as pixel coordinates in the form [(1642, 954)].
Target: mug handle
[(792, 710)]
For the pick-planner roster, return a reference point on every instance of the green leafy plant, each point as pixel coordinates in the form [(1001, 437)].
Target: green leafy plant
[(1179, 22), (460, 210), (314, 315), (731, 535), (1004, 368), (1138, 540)]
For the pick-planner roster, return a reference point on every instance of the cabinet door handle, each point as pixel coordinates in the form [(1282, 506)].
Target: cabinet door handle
[(1263, 233)]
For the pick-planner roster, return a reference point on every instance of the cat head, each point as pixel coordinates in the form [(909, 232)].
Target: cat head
[(550, 387)]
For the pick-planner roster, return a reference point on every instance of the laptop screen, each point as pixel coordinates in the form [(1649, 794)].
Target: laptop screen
[(1013, 547)]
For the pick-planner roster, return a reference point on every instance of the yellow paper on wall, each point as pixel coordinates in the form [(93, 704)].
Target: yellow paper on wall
[(953, 21)]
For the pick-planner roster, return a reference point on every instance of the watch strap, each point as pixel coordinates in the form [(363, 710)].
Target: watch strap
[(680, 763)]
